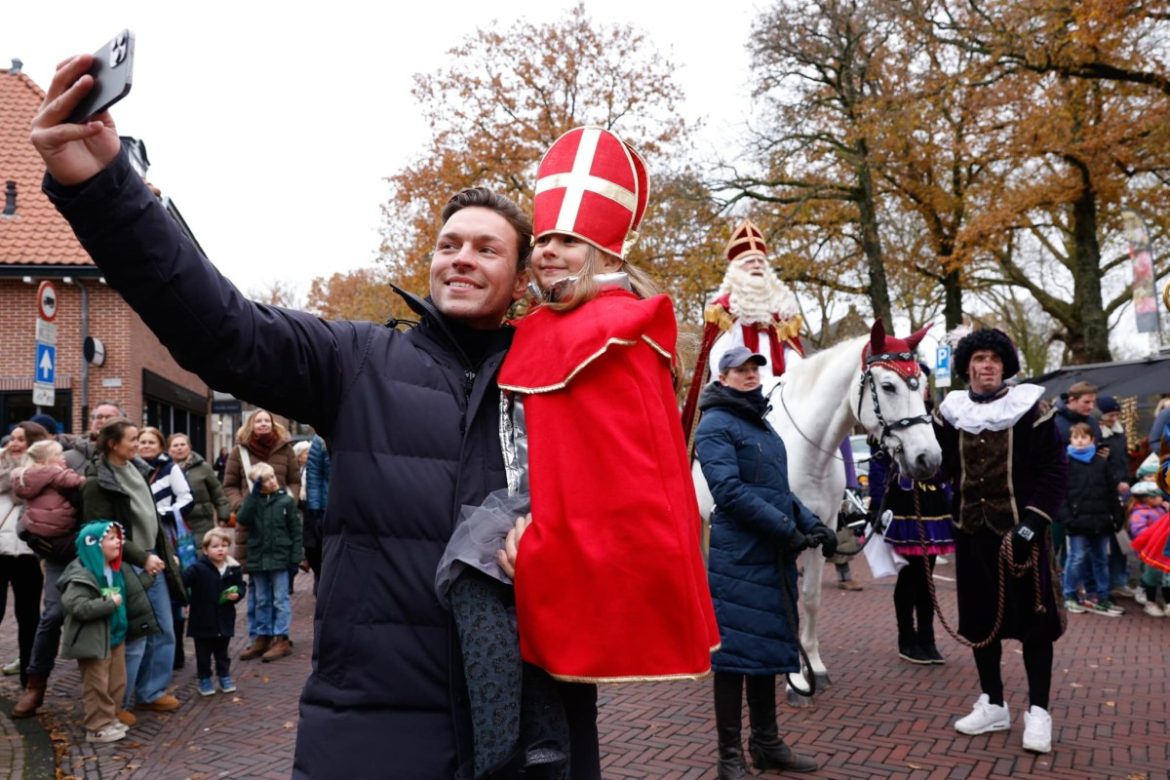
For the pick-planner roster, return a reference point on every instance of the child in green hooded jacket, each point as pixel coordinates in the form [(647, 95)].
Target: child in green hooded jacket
[(93, 597)]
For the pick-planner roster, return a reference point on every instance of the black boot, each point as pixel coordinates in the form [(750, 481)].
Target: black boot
[(728, 717), (910, 650), (767, 749), (928, 649)]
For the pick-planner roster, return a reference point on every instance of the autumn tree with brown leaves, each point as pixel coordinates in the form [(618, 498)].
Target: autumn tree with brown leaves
[(363, 294), (816, 65), (506, 94), (1089, 133)]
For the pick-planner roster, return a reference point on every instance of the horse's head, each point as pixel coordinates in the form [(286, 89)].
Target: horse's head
[(891, 404)]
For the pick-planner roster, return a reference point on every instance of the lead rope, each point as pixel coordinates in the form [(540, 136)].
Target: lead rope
[(790, 613), (1005, 562)]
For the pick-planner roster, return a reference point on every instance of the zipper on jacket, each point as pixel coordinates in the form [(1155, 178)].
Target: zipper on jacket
[(468, 385)]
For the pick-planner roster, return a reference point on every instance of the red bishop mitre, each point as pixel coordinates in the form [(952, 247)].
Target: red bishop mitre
[(746, 240), (591, 185)]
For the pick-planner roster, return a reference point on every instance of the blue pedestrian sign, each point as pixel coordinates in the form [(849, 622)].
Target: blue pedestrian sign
[(46, 370), (942, 366), (45, 375)]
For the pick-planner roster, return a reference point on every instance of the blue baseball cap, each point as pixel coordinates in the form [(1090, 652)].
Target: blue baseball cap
[(737, 356)]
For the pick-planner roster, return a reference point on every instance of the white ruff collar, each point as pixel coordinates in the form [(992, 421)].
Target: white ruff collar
[(960, 411)]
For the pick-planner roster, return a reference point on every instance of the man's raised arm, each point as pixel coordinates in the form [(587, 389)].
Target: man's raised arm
[(290, 362)]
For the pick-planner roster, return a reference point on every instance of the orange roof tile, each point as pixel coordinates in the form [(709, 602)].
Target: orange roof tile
[(36, 234)]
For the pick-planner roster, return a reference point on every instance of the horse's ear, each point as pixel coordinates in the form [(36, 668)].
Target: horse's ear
[(877, 337), (915, 337)]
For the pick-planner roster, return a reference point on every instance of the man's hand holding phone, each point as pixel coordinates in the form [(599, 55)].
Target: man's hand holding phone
[(73, 153)]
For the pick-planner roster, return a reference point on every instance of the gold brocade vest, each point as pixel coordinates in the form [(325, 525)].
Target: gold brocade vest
[(987, 496)]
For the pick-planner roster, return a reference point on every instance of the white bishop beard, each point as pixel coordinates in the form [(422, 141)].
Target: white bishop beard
[(754, 299)]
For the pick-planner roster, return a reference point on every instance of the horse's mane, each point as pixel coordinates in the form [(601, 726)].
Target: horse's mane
[(812, 367)]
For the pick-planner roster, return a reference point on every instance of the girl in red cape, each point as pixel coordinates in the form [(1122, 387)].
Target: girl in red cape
[(609, 581)]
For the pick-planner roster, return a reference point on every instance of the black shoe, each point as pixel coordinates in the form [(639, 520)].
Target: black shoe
[(776, 754), (910, 651), (931, 652)]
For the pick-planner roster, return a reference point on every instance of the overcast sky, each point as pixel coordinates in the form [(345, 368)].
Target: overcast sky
[(272, 129)]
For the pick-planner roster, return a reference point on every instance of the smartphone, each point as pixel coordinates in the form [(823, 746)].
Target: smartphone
[(112, 71)]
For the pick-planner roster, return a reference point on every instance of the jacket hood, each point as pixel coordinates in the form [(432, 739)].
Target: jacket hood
[(100, 467), (717, 396), (89, 549), (193, 460)]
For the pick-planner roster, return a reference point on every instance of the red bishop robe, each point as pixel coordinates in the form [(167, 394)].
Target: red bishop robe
[(610, 583)]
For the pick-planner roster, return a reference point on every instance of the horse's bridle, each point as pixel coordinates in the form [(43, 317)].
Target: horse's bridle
[(885, 360)]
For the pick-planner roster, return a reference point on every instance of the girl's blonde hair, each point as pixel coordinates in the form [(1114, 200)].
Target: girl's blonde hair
[(586, 287), (244, 435), (40, 452)]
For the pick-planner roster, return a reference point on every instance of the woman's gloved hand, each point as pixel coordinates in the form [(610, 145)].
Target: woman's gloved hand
[(826, 538), (796, 542)]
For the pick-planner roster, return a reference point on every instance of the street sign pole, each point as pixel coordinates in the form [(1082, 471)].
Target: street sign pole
[(45, 366)]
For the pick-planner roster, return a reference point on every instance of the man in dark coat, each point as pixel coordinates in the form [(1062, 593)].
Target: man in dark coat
[(757, 529), (412, 419), (1002, 451)]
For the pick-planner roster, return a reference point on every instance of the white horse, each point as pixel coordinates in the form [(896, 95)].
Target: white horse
[(815, 405)]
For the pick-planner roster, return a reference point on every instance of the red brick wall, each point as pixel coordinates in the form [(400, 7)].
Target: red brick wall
[(130, 347)]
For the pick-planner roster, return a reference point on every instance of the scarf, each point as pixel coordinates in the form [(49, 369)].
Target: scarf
[(1083, 454), (262, 445)]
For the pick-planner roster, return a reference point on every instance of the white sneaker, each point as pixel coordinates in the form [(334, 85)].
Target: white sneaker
[(1140, 596), (1037, 730), (1153, 610), (107, 734), (984, 718)]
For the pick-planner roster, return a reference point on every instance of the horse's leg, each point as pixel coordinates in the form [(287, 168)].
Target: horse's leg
[(814, 567)]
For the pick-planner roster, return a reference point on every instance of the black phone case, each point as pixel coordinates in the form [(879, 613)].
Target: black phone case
[(112, 71)]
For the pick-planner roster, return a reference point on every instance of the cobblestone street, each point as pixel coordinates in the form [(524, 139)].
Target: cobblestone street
[(881, 718)]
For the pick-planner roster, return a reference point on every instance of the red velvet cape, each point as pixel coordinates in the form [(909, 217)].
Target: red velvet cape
[(610, 583)]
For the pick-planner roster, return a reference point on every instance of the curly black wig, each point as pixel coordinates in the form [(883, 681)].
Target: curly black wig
[(986, 338)]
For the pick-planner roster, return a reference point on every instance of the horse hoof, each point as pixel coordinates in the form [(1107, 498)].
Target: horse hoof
[(823, 680), (796, 700)]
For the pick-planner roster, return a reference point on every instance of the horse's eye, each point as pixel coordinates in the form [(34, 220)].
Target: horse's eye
[(888, 387)]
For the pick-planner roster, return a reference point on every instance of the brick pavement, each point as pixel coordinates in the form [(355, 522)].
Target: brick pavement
[(882, 717)]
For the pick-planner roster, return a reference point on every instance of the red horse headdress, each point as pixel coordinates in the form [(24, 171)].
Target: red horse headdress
[(898, 355)]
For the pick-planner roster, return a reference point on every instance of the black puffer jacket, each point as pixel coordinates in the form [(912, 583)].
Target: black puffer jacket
[(1091, 507), (413, 426)]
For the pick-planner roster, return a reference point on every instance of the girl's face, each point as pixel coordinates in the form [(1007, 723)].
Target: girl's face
[(180, 448), (127, 446), (17, 444), (148, 445), (556, 256), (217, 551), (262, 423)]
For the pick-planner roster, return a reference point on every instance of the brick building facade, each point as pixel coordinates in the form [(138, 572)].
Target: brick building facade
[(37, 244)]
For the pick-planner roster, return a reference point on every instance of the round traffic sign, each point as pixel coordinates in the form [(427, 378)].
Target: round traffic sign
[(47, 301)]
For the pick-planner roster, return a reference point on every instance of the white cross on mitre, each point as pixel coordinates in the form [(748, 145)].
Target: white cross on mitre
[(579, 180)]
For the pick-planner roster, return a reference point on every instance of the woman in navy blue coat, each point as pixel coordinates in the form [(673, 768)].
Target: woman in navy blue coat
[(757, 530)]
